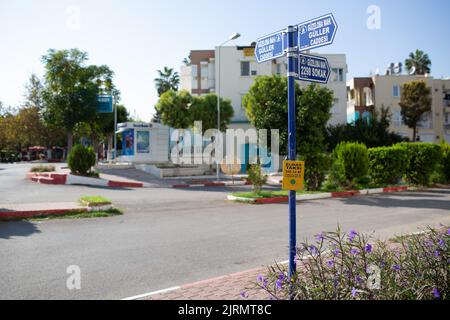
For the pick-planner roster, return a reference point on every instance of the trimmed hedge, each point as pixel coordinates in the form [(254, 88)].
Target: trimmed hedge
[(81, 160), (386, 164), (350, 161), (421, 161), (445, 149)]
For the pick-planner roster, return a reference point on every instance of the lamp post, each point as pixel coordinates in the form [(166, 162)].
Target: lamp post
[(231, 38)]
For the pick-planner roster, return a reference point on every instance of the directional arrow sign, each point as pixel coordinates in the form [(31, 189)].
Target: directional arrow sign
[(313, 68), (270, 47), (317, 32)]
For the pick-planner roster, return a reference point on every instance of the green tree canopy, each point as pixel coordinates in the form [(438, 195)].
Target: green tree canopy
[(266, 107), (71, 88), (373, 132), (180, 110), (418, 61), (167, 80), (174, 108), (204, 109), (415, 101)]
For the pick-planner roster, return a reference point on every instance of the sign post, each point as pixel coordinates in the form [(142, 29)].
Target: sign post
[(305, 36), (292, 143)]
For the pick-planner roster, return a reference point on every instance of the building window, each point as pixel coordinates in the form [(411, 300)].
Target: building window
[(398, 119), (396, 91), (194, 71), (338, 74), (447, 118), (245, 68)]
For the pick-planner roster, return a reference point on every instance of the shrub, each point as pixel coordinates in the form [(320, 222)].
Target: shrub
[(350, 162), (421, 160), (81, 159), (339, 266), (445, 163), (386, 164), (42, 168), (316, 167), (256, 178)]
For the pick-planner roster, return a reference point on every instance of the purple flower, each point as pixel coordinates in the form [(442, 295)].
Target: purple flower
[(281, 277), (396, 267), (354, 251), (368, 248), (436, 254), (319, 237), (279, 284), (359, 279), (336, 252), (441, 243), (330, 263), (313, 249), (352, 235), (244, 294), (354, 292), (448, 232), (436, 293)]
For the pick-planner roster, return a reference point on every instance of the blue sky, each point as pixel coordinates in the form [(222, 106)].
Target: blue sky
[(137, 37)]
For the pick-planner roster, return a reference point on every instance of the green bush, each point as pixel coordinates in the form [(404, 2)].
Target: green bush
[(386, 164), (350, 162), (39, 169), (256, 177), (421, 161), (81, 159), (445, 163), (316, 167)]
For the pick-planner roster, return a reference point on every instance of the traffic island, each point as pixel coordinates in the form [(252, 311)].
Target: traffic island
[(87, 207), (71, 179), (271, 197)]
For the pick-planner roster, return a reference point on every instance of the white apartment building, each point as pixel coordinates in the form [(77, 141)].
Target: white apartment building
[(238, 69)]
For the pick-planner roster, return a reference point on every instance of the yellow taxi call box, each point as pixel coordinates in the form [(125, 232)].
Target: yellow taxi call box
[(293, 175)]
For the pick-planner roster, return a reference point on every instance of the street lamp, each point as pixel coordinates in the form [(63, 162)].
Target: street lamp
[(234, 36)]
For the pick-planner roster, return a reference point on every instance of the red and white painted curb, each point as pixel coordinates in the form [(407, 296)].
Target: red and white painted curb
[(26, 214), (212, 184), (317, 196), (70, 179)]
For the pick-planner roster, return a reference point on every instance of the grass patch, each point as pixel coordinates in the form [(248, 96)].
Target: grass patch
[(269, 194), (42, 168), (94, 200), (81, 215)]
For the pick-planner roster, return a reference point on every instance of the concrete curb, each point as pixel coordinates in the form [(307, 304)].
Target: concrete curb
[(11, 215), (70, 179), (212, 184), (318, 196)]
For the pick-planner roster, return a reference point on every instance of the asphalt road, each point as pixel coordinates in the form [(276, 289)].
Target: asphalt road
[(171, 237)]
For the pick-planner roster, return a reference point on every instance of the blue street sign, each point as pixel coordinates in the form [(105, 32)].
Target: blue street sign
[(270, 47), (313, 68), (104, 104), (317, 32)]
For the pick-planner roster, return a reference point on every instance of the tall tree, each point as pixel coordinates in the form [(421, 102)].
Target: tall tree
[(174, 108), (266, 107), (415, 102), (419, 62), (71, 89), (33, 94), (167, 80), (204, 109)]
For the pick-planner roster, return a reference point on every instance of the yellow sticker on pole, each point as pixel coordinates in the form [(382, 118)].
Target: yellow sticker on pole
[(293, 175)]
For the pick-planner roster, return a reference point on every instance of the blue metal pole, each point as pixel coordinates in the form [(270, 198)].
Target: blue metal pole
[(292, 152)]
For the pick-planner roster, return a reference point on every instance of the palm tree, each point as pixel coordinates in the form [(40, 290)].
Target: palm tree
[(167, 80), (187, 61), (418, 63)]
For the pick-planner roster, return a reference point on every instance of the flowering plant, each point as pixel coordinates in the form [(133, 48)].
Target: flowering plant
[(348, 266)]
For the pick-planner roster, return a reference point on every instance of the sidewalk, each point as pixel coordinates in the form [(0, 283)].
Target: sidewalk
[(230, 287)]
